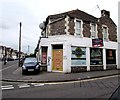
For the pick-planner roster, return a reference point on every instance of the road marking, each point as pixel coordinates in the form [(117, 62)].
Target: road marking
[(87, 80), (26, 85), (17, 71), (7, 67), (7, 87), (23, 85), (37, 84), (53, 83)]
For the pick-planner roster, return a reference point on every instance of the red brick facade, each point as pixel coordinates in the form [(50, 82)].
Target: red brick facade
[(57, 25), (57, 28)]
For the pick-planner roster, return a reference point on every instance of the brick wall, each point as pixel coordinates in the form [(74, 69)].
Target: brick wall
[(110, 67), (71, 26), (99, 29), (57, 28), (111, 28), (78, 69), (96, 68), (86, 29)]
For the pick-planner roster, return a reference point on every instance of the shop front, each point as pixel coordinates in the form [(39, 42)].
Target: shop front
[(64, 55)]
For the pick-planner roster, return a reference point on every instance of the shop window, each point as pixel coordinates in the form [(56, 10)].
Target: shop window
[(78, 56), (110, 56), (96, 57), (44, 55)]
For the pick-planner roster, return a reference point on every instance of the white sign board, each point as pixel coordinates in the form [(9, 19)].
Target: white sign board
[(78, 56)]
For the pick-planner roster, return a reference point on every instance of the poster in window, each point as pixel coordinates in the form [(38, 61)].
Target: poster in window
[(78, 56), (44, 55), (96, 57), (110, 56)]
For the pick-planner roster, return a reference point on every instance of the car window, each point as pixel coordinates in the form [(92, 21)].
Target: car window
[(29, 60)]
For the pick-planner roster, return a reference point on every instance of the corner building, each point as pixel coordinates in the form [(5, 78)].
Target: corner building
[(75, 41)]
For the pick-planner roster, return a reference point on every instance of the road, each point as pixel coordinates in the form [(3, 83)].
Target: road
[(8, 70), (100, 88), (93, 88)]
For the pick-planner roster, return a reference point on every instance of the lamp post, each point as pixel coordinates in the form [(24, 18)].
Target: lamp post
[(28, 49), (20, 43)]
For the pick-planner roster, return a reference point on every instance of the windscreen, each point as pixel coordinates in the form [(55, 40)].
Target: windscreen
[(30, 60)]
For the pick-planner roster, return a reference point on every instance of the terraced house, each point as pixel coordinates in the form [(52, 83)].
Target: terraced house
[(2, 51), (10, 53), (76, 41)]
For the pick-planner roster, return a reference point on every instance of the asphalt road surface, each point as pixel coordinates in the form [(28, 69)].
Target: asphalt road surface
[(94, 88), (98, 88), (9, 68)]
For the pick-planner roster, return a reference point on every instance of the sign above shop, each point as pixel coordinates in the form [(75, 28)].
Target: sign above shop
[(97, 42)]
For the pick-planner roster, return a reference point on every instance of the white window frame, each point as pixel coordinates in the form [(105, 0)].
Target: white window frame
[(107, 34), (93, 32), (81, 28)]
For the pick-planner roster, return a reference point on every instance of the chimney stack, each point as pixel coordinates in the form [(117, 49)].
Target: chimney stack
[(105, 13)]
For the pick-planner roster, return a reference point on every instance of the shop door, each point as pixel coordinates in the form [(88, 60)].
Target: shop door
[(57, 58)]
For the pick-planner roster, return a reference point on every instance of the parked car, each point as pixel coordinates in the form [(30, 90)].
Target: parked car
[(116, 94), (30, 64)]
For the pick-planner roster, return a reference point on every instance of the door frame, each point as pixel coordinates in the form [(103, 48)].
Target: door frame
[(59, 47)]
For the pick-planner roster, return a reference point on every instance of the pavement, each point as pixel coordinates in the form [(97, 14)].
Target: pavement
[(45, 77)]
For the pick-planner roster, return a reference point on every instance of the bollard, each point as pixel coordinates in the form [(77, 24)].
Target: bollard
[(74, 84), (79, 81)]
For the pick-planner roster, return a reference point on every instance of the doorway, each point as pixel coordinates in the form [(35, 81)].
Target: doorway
[(57, 57)]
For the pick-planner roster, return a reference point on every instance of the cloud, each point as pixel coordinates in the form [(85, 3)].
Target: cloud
[(33, 12), (14, 12), (4, 26)]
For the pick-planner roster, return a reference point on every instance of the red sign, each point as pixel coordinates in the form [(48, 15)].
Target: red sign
[(97, 42)]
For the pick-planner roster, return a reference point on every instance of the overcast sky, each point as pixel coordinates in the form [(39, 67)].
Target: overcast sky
[(33, 12)]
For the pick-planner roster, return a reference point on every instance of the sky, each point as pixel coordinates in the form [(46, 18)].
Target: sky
[(33, 12)]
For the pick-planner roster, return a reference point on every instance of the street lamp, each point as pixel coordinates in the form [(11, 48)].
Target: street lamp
[(20, 43)]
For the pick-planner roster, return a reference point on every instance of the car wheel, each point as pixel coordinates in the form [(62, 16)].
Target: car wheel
[(37, 71)]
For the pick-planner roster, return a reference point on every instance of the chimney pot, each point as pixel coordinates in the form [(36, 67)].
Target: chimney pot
[(105, 13)]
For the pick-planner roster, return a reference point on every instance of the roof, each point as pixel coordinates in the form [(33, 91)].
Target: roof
[(75, 14)]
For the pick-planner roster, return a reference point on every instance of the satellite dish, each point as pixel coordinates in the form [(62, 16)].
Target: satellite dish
[(42, 26)]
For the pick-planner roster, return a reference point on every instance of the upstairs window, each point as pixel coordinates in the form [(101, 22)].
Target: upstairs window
[(93, 30), (105, 32), (78, 28)]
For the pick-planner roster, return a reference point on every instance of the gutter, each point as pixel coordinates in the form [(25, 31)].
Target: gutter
[(50, 81), (59, 19)]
